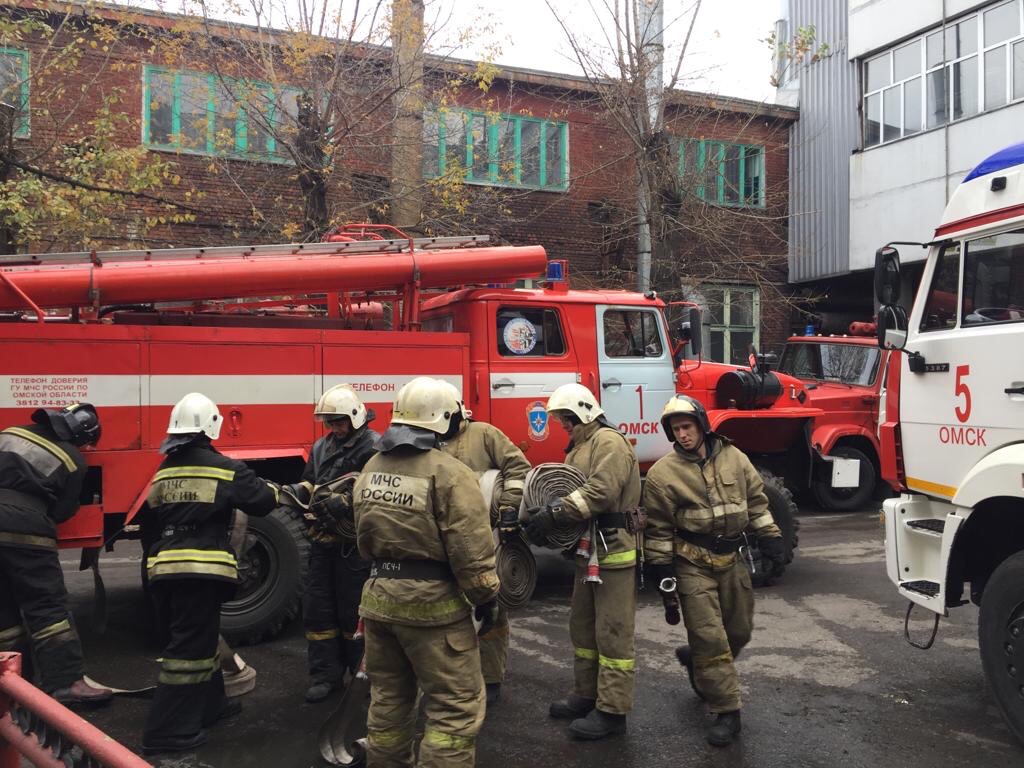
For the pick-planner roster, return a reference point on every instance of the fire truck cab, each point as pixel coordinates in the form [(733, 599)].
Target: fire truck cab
[(953, 424)]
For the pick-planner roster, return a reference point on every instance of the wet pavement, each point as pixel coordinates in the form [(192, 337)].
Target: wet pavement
[(827, 680)]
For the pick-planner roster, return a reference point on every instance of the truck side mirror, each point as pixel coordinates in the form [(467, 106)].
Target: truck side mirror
[(892, 327), (691, 331), (887, 276)]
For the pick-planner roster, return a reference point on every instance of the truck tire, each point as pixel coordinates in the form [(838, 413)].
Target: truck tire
[(272, 573), (847, 499), (784, 511), (1001, 640)]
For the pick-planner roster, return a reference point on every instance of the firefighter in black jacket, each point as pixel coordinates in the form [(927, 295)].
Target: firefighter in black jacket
[(192, 570), (334, 585), (41, 474)]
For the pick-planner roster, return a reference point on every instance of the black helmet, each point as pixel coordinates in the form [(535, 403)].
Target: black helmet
[(684, 405), (79, 423)]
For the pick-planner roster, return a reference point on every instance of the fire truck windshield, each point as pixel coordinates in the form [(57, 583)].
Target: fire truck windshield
[(854, 364)]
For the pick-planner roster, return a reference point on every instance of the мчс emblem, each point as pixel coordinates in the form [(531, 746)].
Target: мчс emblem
[(537, 417)]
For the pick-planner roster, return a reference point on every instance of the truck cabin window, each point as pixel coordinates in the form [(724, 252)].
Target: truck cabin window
[(631, 333), (802, 361), (994, 280), (940, 308), (529, 332), (849, 364)]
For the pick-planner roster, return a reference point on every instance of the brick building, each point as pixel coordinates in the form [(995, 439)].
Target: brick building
[(530, 158)]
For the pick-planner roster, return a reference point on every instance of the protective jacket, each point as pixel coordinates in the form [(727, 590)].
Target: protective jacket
[(481, 447), (423, 506), (332, 458), (719, 495), (603, 454), (192, 496), (40, 483)]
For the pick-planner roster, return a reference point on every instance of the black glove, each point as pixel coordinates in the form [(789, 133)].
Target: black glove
[(773, 552), (336, 506), (666, 574), (299, 491), (540, 524), (487, 615), (508, 523)]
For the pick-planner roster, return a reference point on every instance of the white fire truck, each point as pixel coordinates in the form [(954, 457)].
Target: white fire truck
[(264, 330), (953, 427)]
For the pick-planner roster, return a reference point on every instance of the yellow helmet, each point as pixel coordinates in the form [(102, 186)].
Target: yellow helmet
[(684, 405), (426, 403), (341, 400), (575, 398)]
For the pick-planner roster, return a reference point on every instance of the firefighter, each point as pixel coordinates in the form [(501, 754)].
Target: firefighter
[(330, 602), (601, 620), (192, 570), (41, 475), (481, 447), (421, 518), (700, 498)]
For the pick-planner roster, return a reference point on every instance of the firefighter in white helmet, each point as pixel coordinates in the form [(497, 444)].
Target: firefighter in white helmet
[(481, 447), (700, 498), (334, 581), (421, 518), (192, 570), (601, 622)]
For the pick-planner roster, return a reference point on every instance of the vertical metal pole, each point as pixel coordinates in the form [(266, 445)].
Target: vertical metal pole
[(652, 54)]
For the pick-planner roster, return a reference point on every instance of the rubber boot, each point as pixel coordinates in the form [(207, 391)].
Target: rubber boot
[(318, 691), (724, 729), (570, 709), (686, 660), (174, 744), (493, 693), (232, 707), (598, 725), (80, 692)]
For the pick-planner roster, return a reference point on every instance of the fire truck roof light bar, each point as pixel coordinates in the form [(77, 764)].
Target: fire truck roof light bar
[(244, 252)]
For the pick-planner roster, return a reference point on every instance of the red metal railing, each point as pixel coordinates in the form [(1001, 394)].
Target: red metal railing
[(46, 732)]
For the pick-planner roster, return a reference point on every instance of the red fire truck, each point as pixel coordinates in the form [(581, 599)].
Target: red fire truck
[(264, 330)]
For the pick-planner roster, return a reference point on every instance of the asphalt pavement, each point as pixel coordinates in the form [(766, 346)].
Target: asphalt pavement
[(828, 680)]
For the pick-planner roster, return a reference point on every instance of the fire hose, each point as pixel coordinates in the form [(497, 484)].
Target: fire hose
[(549, 482), (517, 569)]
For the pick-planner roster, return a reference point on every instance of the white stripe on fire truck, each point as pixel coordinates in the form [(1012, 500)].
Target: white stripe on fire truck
[(379, 388), (539, 385)]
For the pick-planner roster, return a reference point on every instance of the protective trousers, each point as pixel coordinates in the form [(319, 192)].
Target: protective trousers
[(601, 625), (718, 611), (494, 648), (190, 691), (330, 610), (444, 663), (32, 594)]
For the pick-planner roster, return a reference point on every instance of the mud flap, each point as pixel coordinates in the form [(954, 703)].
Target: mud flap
[(342, 739)]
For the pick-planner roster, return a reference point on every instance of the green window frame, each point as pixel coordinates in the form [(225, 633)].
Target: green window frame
[(732, 318), (199, 113), (14, 81), (724, 173), (496, 149)]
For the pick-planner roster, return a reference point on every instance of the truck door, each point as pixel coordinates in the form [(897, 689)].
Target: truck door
[(636, 375), (968, 398)]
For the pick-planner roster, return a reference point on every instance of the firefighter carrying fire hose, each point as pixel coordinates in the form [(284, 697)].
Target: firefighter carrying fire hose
[(421, 518), (482, 447), (601, 621), (334, 584), (699, 500), (41, 475), (192, 570)]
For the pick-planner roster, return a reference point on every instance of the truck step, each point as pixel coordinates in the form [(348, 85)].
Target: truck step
[(927, 588), (933, 525)]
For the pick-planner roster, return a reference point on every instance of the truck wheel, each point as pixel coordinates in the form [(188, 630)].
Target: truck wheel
[(271, 572), (784, 511), (1001, 639), (847, 499)]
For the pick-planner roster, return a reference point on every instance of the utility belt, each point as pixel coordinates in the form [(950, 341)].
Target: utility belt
[(717, 544), (423, 569), (634, 521), (170, 530), (19, 499)]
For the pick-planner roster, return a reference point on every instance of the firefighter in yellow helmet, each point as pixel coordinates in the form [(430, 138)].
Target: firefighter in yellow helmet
[(192, 570), (700, 498), (601, 621), (422, 520), (482, 447)]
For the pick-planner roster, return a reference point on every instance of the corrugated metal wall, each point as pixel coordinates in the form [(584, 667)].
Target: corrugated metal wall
[(821, 142)]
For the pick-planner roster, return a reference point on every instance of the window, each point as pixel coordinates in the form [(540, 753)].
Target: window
[(204, 114), (940, 308), (529, 332), (801, 360), (721, 173), (973, 64), (501, 150), (631, 333), (994, 280), (731, 322), (855, 364), (14, 86)]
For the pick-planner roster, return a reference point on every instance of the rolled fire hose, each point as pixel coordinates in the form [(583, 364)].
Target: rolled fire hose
[(549, 482), (492, 485), (514, 562), (344, 527)]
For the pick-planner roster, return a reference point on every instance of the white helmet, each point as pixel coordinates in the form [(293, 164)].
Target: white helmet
[(341, 400), (425, 402), (457, 397), (575, 398), (195, 413)]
